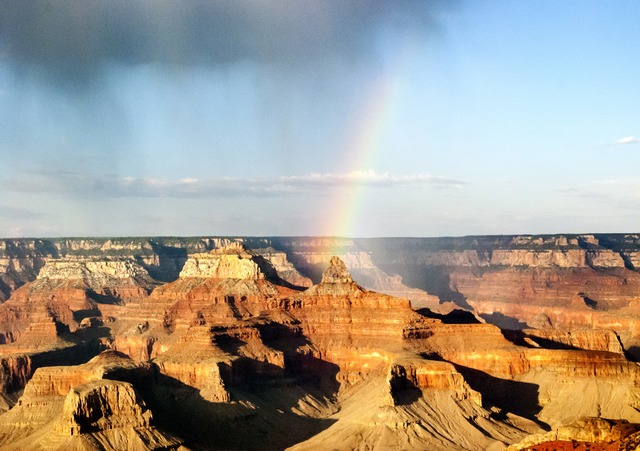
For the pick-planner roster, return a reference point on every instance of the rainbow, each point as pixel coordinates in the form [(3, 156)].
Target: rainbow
[(363, 144)]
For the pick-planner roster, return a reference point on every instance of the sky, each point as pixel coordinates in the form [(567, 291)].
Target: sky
[(360, 118)]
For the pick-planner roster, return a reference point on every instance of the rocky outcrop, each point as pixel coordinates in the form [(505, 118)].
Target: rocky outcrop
[(221, 287), (632, 259), (102, 280), (336, 281), (429, 374), (586, 431), (284, 267), (569, 258), (358, 330), (91, 406), (18, 364), (204, 331), (58, 380), (366, 273), (231, 262), (95, 273), (163, 258), (550, 287), (483, 347), (66, 292), (102, 405), (21, 260), (558, 258), (203, 376), (588, 339)]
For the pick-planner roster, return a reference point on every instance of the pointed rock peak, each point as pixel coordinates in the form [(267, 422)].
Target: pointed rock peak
[(336, 281), (337, 272)]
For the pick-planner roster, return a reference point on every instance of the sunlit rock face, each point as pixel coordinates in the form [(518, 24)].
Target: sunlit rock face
[(358, 330), (585, 434), (430, 374), (336, 281), (233, 339), (90, 406), (284, 268), (231, 262), (107, 281), (225, 285), (68, 291), (575, 281), (103, 405)]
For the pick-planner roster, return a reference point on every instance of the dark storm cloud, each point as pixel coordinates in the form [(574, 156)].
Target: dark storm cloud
[(73, 40)]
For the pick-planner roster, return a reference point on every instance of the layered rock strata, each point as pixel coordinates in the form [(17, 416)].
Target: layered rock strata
[(68, 291), (232, 345), (92, 406)]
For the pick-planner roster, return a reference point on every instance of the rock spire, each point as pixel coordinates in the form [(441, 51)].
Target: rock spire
[(337, 272)]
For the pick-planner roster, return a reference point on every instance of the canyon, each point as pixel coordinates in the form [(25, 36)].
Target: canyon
[(309, 343)]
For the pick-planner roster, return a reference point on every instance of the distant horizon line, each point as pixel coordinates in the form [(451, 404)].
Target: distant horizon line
[(122, 237)]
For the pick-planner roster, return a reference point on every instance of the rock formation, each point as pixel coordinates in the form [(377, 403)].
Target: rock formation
[(588, 432), (91, 406), (65, 293), (284, 267), (207, 339)]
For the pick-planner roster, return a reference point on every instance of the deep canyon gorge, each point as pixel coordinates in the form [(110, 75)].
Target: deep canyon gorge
[(482, 342)]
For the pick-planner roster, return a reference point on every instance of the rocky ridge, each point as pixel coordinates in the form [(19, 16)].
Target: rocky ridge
[(588, 431)]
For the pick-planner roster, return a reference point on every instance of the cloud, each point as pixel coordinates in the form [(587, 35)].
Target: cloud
[(73, 41), (72, 183), (627, 140), (371, 178)]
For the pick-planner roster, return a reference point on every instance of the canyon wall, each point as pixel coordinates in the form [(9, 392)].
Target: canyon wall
[(515, 282), (452, 343)]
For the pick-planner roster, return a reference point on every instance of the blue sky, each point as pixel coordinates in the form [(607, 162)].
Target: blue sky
[(243, 118)]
